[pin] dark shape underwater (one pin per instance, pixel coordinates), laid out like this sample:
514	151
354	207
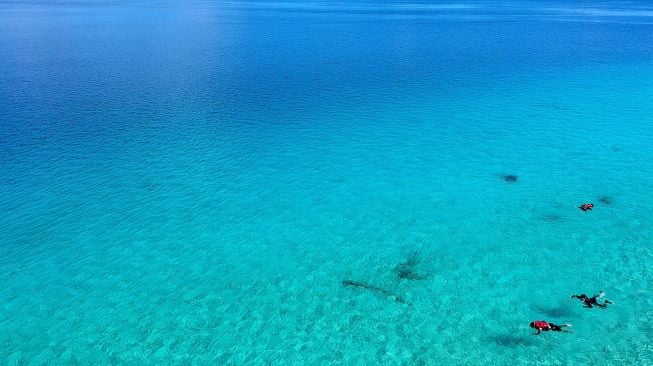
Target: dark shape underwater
606	200
510	178
405	270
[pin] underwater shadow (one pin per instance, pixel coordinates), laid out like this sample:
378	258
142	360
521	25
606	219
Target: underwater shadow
507	340
555	312
552	218
510	178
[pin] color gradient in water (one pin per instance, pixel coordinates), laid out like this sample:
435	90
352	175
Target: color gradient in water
192	182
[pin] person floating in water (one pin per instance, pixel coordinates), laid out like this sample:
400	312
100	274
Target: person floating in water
586	206
544	326
589	301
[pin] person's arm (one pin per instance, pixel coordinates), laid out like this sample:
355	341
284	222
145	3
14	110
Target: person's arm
539	330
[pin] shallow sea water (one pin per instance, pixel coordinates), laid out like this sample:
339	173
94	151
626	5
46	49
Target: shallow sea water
190	183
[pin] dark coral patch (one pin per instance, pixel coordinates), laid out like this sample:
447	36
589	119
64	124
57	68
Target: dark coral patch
510	178
405	270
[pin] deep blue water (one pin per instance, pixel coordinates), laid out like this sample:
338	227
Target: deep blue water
191	182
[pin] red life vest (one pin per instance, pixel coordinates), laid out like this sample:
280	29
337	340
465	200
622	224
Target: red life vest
541	324
586	206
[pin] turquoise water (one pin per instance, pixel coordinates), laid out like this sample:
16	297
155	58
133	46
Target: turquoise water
190	183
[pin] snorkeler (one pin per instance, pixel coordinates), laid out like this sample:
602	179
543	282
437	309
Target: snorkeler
589	301
544	326
586	206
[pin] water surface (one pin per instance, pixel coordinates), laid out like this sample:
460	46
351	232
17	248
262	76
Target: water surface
191	182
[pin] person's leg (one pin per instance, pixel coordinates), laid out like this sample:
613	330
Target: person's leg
558	328
604	305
